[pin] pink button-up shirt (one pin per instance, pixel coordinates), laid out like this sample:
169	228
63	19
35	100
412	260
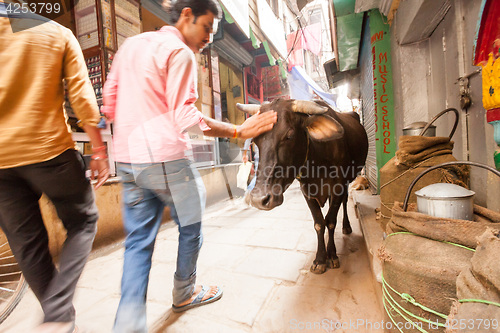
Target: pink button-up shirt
150	94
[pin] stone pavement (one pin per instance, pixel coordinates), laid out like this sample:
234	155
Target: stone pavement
261	260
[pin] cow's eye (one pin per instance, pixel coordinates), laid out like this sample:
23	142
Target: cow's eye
290	134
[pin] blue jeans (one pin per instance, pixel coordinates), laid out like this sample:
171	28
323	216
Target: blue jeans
147	190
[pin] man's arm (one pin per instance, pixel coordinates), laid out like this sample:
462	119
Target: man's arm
99	161
181	90
82	99
252	127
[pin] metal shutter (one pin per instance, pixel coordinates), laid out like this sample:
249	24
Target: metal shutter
368	108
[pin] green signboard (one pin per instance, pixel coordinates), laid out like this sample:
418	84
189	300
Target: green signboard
383	97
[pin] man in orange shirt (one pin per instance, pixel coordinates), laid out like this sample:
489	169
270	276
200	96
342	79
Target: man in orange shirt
38	155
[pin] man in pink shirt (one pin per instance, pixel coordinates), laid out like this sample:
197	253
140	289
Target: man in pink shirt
150	95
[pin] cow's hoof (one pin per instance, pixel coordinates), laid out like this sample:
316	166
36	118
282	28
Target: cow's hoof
333	263
318	268
347	231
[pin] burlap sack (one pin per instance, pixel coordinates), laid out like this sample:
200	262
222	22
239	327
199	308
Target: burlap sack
479	281
415	149
448	230
416	154
426	271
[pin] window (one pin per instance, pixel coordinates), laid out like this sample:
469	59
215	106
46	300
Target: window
315	16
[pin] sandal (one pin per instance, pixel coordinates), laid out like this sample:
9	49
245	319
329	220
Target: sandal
198	301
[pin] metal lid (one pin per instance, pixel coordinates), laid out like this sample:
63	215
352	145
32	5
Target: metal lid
444	190
417	125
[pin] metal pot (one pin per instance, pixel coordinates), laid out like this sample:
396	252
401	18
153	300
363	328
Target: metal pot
415	129
446	200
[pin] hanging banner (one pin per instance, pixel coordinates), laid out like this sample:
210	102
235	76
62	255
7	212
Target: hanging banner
383	97
486	55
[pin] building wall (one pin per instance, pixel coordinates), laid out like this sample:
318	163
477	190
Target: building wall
230	78
149	21
290	20
426	77
247	72
410	83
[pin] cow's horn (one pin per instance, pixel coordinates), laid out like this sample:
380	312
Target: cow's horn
248	108
308	107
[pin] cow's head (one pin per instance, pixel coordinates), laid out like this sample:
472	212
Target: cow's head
284	149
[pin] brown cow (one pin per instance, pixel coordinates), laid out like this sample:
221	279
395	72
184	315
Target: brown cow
324	150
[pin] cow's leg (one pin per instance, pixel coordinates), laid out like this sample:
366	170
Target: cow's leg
332	260
346	225
319	264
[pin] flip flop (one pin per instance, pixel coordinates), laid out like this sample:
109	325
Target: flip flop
198	301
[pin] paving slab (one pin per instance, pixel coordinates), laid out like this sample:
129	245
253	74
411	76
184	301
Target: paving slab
161	282
270	222
103	274
184	323
291	305
86	299
243	298
99	318
273	263
20	320
230	236
225	256
166	249
275	239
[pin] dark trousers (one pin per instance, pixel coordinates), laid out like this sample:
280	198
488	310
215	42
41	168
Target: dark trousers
63	180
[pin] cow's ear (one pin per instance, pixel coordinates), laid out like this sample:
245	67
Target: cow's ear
324	128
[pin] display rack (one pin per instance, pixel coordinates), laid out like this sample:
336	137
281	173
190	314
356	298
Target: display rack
128	19
86	19
95	29
95	75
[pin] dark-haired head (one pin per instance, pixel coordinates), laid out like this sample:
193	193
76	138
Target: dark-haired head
198	8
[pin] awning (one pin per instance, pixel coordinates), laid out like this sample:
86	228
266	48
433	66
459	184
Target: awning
231	50
303	87
348	33
238	12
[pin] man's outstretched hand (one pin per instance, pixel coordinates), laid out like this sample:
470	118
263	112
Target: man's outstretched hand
257	124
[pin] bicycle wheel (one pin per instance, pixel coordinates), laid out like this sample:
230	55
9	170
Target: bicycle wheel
12	283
